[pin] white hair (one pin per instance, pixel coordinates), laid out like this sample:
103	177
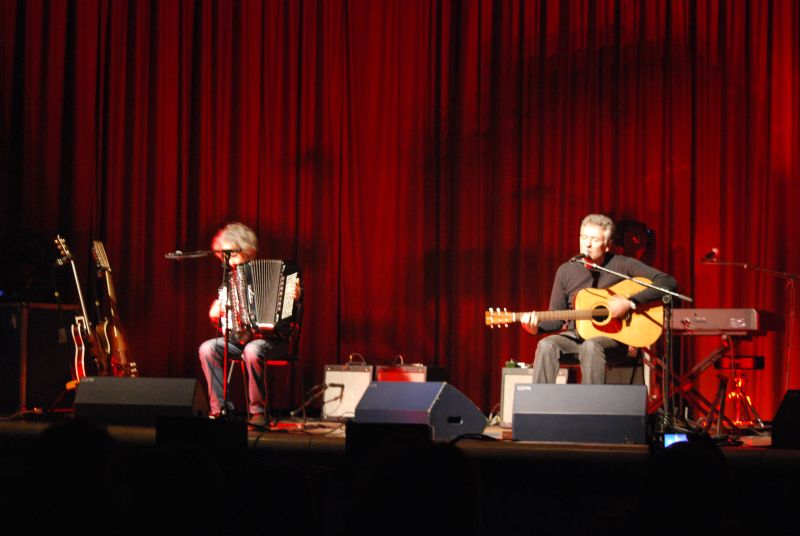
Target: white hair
239	235
602	221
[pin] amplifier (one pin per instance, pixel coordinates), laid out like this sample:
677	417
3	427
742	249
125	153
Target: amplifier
511	377
401	373
344	387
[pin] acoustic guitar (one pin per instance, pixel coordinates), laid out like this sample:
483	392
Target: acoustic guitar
640	329
110	330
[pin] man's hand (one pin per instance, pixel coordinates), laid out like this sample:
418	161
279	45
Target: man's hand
619	306
215	312
530	322
298	290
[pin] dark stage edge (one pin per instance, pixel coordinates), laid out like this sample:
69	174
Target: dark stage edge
304	482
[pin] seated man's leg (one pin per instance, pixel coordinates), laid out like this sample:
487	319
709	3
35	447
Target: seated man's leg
254	355
211	357
549	352
595	353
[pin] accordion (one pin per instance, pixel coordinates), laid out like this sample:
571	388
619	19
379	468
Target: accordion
261	298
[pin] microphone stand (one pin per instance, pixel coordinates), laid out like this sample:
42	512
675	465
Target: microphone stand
178	255
791	282
226	257
668	295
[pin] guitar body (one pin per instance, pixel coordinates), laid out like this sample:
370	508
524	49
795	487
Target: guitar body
639	329
110	330
114	345
78	366
89	360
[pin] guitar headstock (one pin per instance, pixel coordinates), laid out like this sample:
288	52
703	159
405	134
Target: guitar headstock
499	317
63	250
100	257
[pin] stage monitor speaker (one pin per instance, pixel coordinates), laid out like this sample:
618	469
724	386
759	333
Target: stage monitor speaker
786	423
576	413
447	411
138	401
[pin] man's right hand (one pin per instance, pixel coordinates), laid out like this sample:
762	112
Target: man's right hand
530	322
215	312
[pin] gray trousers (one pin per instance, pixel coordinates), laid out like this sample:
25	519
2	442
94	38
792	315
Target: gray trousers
593	355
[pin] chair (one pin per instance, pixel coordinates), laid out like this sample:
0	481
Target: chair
636	371
291	359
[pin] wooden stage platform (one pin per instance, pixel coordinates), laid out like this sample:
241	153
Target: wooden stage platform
304	479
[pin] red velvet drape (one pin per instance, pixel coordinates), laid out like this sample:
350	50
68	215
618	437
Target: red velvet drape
422	160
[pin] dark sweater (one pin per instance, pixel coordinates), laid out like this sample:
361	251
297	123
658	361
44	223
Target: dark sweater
572	277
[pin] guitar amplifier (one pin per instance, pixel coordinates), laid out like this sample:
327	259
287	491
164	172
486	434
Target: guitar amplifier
511	377
401	373
344	387
35	354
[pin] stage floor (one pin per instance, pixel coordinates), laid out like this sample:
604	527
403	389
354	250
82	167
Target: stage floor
306	478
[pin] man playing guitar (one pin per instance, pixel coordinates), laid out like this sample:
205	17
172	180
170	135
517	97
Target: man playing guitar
596	351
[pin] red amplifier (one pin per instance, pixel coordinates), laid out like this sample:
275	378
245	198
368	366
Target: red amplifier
401	373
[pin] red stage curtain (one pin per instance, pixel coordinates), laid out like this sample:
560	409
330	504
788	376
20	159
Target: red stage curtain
422	160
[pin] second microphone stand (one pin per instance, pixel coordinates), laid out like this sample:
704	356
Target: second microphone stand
668	295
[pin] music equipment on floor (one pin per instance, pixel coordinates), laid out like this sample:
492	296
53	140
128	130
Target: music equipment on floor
786	423
414	372
110	331
577	413
344	387
743	321
512	376
83	333
138	401
640	329
259	300
35	355
439	405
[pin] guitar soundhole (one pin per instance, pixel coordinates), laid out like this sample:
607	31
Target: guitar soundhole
599	314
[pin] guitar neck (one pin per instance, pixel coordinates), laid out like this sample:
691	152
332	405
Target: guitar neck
566	314
80	296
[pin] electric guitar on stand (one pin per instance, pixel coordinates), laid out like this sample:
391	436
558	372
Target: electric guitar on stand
83	334
640	329
110	331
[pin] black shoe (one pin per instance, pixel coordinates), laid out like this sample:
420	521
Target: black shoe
259	420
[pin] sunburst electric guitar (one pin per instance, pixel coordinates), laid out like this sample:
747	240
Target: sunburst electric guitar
109	331
639	329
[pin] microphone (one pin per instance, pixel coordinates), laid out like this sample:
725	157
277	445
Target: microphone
578	258
711	256
178	255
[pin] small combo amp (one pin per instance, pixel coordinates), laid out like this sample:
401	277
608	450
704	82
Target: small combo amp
344	387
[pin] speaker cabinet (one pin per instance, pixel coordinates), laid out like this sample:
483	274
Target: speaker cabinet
36	353
577	413
138	401
447	411
786	424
